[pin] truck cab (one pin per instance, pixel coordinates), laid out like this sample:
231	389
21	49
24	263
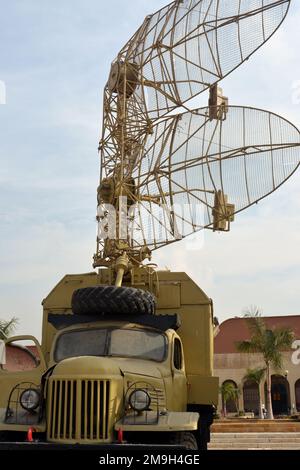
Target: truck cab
97	379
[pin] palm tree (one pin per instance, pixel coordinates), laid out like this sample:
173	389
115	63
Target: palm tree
228	392
268	342
7	327
252	311
256	376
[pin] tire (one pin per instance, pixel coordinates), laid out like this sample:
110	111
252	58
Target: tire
111	300
206	413
185	439
204	437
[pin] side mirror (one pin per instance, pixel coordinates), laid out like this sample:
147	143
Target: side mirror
20	354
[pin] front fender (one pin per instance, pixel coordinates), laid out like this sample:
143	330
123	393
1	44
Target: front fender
164	422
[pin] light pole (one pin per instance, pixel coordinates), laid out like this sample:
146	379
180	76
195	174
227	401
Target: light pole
286	373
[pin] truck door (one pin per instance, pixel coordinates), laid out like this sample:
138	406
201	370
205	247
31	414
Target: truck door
179	377
21	367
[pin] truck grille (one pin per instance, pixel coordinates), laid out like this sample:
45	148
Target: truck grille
78	410
158	400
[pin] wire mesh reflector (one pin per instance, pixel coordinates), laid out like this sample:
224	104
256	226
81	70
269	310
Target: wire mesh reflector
189	45
189	158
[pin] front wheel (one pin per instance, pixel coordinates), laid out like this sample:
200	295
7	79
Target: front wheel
185	439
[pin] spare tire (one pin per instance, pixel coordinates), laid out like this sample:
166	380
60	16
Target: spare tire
111	300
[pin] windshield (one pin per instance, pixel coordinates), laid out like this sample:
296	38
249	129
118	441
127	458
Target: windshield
111	342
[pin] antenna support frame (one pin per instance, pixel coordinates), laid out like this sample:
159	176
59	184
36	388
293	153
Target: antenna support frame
122	265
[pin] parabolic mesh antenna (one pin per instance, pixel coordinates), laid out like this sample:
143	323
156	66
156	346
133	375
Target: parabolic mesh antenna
167	169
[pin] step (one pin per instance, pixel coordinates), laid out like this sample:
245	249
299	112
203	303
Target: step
255	441
255	427
251	446
271	425
277	440
277	448
275	437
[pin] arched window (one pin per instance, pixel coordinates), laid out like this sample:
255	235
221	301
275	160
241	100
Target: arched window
230	403
281	401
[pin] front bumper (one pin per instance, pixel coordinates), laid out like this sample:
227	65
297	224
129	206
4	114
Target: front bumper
100	449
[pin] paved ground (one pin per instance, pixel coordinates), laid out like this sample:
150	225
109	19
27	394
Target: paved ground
255	441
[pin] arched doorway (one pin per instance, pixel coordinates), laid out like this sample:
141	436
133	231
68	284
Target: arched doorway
297	394
280	391
231	403
251	397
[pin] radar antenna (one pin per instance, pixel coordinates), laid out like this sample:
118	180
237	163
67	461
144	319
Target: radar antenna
168	168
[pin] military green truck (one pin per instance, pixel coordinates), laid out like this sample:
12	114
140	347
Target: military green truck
127	350
113	368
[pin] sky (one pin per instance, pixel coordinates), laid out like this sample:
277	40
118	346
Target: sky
54	62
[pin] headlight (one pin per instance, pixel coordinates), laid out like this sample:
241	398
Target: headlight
139	400
30	399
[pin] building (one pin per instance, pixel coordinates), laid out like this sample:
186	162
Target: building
230	365
18	359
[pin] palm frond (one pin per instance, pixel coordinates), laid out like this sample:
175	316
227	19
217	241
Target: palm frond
252	311
229	391
284	338
247	346
255	375
277	360
269	342
256	326
7	327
